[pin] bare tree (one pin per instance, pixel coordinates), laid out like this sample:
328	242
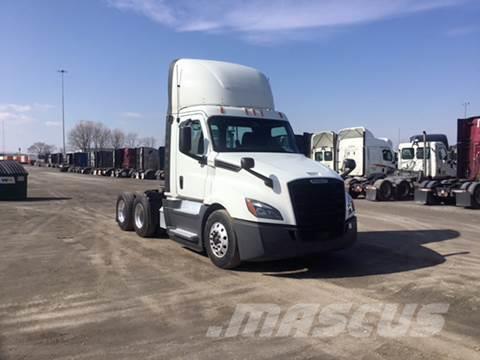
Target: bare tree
80	136
148	141
131	140
40	148
117	139
100	136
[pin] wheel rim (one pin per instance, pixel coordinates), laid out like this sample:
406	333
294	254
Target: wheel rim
218	238
139	216
121	211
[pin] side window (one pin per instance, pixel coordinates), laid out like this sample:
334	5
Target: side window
387	155
442	154
196	145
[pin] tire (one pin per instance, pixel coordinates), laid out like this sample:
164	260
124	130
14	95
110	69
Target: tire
124	211
402	190
219	235
384	189
423	184
149	174
349	182
145	216
474	190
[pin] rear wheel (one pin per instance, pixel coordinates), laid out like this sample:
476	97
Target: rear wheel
123	211
145	216
474	190
402	190
220	240
384	189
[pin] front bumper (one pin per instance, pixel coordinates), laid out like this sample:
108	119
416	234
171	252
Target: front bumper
260	241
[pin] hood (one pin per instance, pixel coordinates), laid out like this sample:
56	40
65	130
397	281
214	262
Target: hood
285	166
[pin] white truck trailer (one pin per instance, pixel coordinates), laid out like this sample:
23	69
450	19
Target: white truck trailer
235	184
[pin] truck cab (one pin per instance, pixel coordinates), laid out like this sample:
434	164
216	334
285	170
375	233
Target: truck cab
434	162
372	155
235	183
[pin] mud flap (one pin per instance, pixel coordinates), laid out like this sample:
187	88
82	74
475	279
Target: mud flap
371	193
463	198
425	197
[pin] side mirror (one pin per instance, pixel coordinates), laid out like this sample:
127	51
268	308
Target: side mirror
247	163
185	139
348	166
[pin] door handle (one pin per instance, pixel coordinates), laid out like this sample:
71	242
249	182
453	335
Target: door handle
181	182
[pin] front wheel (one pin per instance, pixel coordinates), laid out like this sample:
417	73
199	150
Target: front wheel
220	240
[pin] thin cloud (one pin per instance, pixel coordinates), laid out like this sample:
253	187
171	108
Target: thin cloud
462	31
21	113
131	115
264	20
15	113
53	123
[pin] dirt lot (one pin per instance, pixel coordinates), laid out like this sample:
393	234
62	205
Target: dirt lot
72	285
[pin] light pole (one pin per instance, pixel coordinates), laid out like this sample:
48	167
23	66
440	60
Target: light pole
466	104
62	73
3	136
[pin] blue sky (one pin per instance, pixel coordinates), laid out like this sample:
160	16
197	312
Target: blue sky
386	65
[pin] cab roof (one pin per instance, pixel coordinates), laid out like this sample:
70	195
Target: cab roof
205	82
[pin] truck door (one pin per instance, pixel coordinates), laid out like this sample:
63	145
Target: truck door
191	160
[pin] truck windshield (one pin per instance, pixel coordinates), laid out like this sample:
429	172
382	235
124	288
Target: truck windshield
408	154
239	134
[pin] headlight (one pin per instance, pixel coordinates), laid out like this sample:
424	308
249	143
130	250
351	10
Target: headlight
262	210
350	207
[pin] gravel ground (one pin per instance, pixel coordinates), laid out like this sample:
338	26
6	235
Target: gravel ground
73	286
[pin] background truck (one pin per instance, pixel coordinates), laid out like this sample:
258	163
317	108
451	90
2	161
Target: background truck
374	158
415	166
236	185
324	149
463	189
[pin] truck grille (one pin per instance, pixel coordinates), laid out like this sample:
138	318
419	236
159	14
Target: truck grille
319	207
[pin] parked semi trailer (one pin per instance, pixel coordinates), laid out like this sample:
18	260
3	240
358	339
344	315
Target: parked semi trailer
147	163
235	183
126	160
102	162
464	189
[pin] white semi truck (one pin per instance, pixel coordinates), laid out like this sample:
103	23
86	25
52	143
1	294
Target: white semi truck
416	166
374	157
235	184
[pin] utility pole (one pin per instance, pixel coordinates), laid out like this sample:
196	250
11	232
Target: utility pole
466	104
62	73
3	136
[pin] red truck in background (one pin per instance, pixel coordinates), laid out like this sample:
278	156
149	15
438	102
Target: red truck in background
464	189
468	162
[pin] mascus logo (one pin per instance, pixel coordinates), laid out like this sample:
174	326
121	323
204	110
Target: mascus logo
319	181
